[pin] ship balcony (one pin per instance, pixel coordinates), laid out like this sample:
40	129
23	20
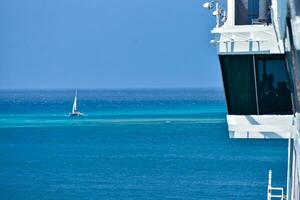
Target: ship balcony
251	27
258	96
248	39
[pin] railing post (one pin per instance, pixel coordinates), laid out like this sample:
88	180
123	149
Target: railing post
270	185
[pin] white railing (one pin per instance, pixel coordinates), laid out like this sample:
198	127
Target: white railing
280	196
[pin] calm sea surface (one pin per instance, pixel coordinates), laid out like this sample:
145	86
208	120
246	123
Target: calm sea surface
133	144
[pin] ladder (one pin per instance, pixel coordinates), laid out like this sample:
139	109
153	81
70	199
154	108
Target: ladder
280	194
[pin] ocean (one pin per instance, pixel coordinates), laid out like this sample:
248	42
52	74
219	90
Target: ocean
134	144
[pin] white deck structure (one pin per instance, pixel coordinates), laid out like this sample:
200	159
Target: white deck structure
279	36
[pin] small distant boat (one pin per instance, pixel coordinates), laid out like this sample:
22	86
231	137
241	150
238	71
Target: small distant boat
74	112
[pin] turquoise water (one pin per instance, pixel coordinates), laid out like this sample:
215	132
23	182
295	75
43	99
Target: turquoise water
133	144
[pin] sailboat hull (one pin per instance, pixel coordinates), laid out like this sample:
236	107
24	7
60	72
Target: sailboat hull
75	114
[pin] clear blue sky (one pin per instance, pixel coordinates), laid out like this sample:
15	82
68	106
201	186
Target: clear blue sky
106	44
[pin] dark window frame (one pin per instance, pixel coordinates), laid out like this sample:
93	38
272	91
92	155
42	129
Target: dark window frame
235	102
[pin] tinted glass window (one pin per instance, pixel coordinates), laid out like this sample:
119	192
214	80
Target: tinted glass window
257	88
238	77
241	12
297	7
253	10
273	91
247	12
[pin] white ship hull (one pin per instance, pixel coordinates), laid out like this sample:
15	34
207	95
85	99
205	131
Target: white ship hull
258	43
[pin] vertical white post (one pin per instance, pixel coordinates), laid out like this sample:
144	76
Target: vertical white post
230	13
270	185
289	168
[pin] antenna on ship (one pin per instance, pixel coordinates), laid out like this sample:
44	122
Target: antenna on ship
219	13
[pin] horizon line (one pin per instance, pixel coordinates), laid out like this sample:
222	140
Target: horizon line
114	88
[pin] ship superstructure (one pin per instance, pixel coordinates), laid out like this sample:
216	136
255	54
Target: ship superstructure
258	44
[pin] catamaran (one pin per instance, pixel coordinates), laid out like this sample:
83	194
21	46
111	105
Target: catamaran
74	112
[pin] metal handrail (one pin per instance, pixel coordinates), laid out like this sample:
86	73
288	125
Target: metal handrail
270	189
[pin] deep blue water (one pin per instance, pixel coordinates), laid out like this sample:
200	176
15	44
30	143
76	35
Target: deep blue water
134	144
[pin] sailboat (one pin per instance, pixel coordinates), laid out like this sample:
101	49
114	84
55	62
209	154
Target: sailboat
74	112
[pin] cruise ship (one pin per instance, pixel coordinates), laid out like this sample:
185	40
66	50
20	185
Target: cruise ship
258	45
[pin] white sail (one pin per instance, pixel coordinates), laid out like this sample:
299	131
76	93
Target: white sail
74	109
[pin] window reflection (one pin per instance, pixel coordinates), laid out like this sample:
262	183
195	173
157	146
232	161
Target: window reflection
249	12
256	88
273	91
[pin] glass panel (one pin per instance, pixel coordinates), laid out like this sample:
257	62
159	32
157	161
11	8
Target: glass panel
253	10
241	12
274	94
248	12
297	7
239	85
